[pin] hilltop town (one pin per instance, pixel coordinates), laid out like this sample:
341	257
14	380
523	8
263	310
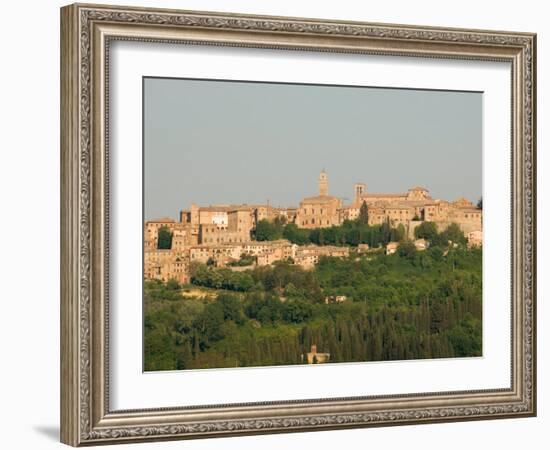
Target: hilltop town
229	235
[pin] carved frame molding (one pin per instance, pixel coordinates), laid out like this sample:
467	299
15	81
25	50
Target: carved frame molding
86	31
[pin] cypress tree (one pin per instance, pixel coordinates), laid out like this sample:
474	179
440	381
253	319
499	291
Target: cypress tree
363	218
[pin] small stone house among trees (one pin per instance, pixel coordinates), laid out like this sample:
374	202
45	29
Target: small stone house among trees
313	357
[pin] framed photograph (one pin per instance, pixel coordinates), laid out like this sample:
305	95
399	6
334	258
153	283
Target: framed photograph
275	224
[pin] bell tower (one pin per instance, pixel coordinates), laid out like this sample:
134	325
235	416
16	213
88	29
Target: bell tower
359	190
323	183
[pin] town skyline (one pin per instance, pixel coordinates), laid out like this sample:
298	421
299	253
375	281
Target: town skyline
219	142
346	200
222	234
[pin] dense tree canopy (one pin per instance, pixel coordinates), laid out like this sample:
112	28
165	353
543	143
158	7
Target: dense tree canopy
426	230
412	304
296	235
268	230
351	233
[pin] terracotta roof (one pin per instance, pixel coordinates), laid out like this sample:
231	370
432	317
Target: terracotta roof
399	206
241	208
226	245
216	208
162	220
268	243
319	199
462	200
418	188
381	194
463	203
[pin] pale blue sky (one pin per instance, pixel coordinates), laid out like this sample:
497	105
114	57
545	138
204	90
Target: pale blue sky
216	142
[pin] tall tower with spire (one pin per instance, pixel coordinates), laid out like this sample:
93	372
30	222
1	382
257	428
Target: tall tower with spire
323	183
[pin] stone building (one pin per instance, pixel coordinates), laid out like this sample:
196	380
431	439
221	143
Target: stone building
314	357
320	211
241	220
335	299
221	254
308	256
285	248
212	234
266	252
413	207
223	224
164	265
421	244
288	215
271	256
182	233
152	227
475	238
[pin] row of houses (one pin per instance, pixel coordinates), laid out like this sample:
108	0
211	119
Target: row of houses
166	264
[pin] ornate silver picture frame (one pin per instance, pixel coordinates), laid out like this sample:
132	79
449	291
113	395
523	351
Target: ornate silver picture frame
87	33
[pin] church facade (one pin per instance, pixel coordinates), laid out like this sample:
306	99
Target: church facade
320	211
